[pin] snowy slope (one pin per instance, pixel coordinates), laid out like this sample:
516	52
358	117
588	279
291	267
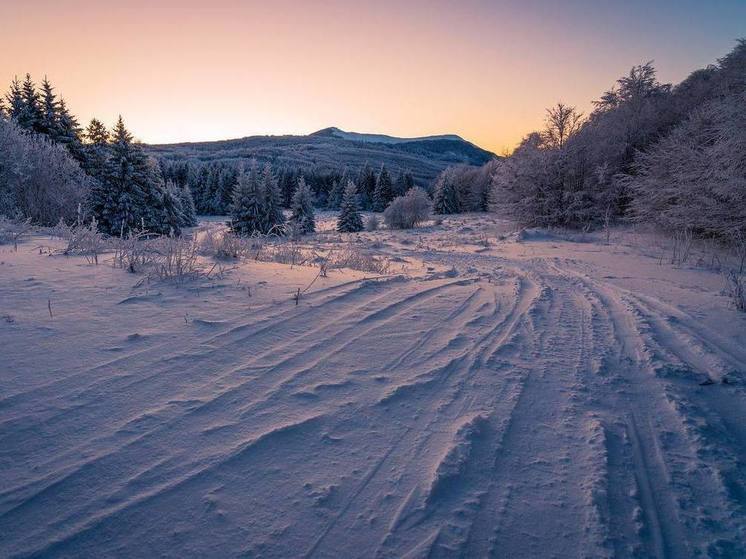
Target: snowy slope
493	397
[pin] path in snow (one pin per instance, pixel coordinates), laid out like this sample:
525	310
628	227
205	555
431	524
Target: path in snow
522	407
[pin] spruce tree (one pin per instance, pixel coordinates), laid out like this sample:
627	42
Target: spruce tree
404	183
15	99
446	195
125	200
68	132
247	212
49	110
187	206
303	219
349	220
30	116
383	193
366	187
274	219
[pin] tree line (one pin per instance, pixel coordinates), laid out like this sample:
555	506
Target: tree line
651	152
72	173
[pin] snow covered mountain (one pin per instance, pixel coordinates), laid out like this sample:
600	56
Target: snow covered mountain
332	148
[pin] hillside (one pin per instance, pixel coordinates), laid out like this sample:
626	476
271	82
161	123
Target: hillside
331	148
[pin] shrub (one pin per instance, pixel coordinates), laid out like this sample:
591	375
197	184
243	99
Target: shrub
407	211
372	223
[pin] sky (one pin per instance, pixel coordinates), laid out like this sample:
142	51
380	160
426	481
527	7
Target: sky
214	69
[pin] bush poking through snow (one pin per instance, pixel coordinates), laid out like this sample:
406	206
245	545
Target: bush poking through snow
164	258
82	239
13	231
408	211
372	223
736	289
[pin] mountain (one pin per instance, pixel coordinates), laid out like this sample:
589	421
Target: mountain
332	148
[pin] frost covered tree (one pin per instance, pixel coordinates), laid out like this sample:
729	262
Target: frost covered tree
349	220
129	195
274	219
408	211
366	185
404	182
303	220
247	208
446	199
30	115
695	178
384	191
38	179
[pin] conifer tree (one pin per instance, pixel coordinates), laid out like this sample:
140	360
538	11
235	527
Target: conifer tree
15	99
366	187
187	206
49	110
336	194
403	184
30	116
383	193
126	199
303	219
446	195
68	132
274	219
349	220
247	212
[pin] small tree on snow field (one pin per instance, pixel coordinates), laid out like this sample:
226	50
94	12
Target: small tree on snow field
446	196
247	211
274	219
302	218
349	220
384	191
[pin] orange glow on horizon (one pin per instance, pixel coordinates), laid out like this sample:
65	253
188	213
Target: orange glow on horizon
191	71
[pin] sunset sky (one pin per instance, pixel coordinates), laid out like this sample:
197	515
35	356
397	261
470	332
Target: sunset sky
202	70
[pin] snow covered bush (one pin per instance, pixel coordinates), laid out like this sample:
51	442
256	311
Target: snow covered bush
82	238
695	178
38	178
13	231
372	223
408	211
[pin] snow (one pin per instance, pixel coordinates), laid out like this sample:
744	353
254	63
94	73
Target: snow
500	393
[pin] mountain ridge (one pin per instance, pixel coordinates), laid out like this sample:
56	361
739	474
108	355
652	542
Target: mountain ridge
333	148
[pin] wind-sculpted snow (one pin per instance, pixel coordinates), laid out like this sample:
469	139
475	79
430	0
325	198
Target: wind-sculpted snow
538	398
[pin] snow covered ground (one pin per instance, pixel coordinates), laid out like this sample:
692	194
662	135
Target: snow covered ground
534	395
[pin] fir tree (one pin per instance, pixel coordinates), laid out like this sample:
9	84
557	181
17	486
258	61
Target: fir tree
274	219
349	220
303	219
404	183
68	132
49	110
336	194
30	116
125	201
366	186
15	100
384	192
96	133
446	195
247	212
187	206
